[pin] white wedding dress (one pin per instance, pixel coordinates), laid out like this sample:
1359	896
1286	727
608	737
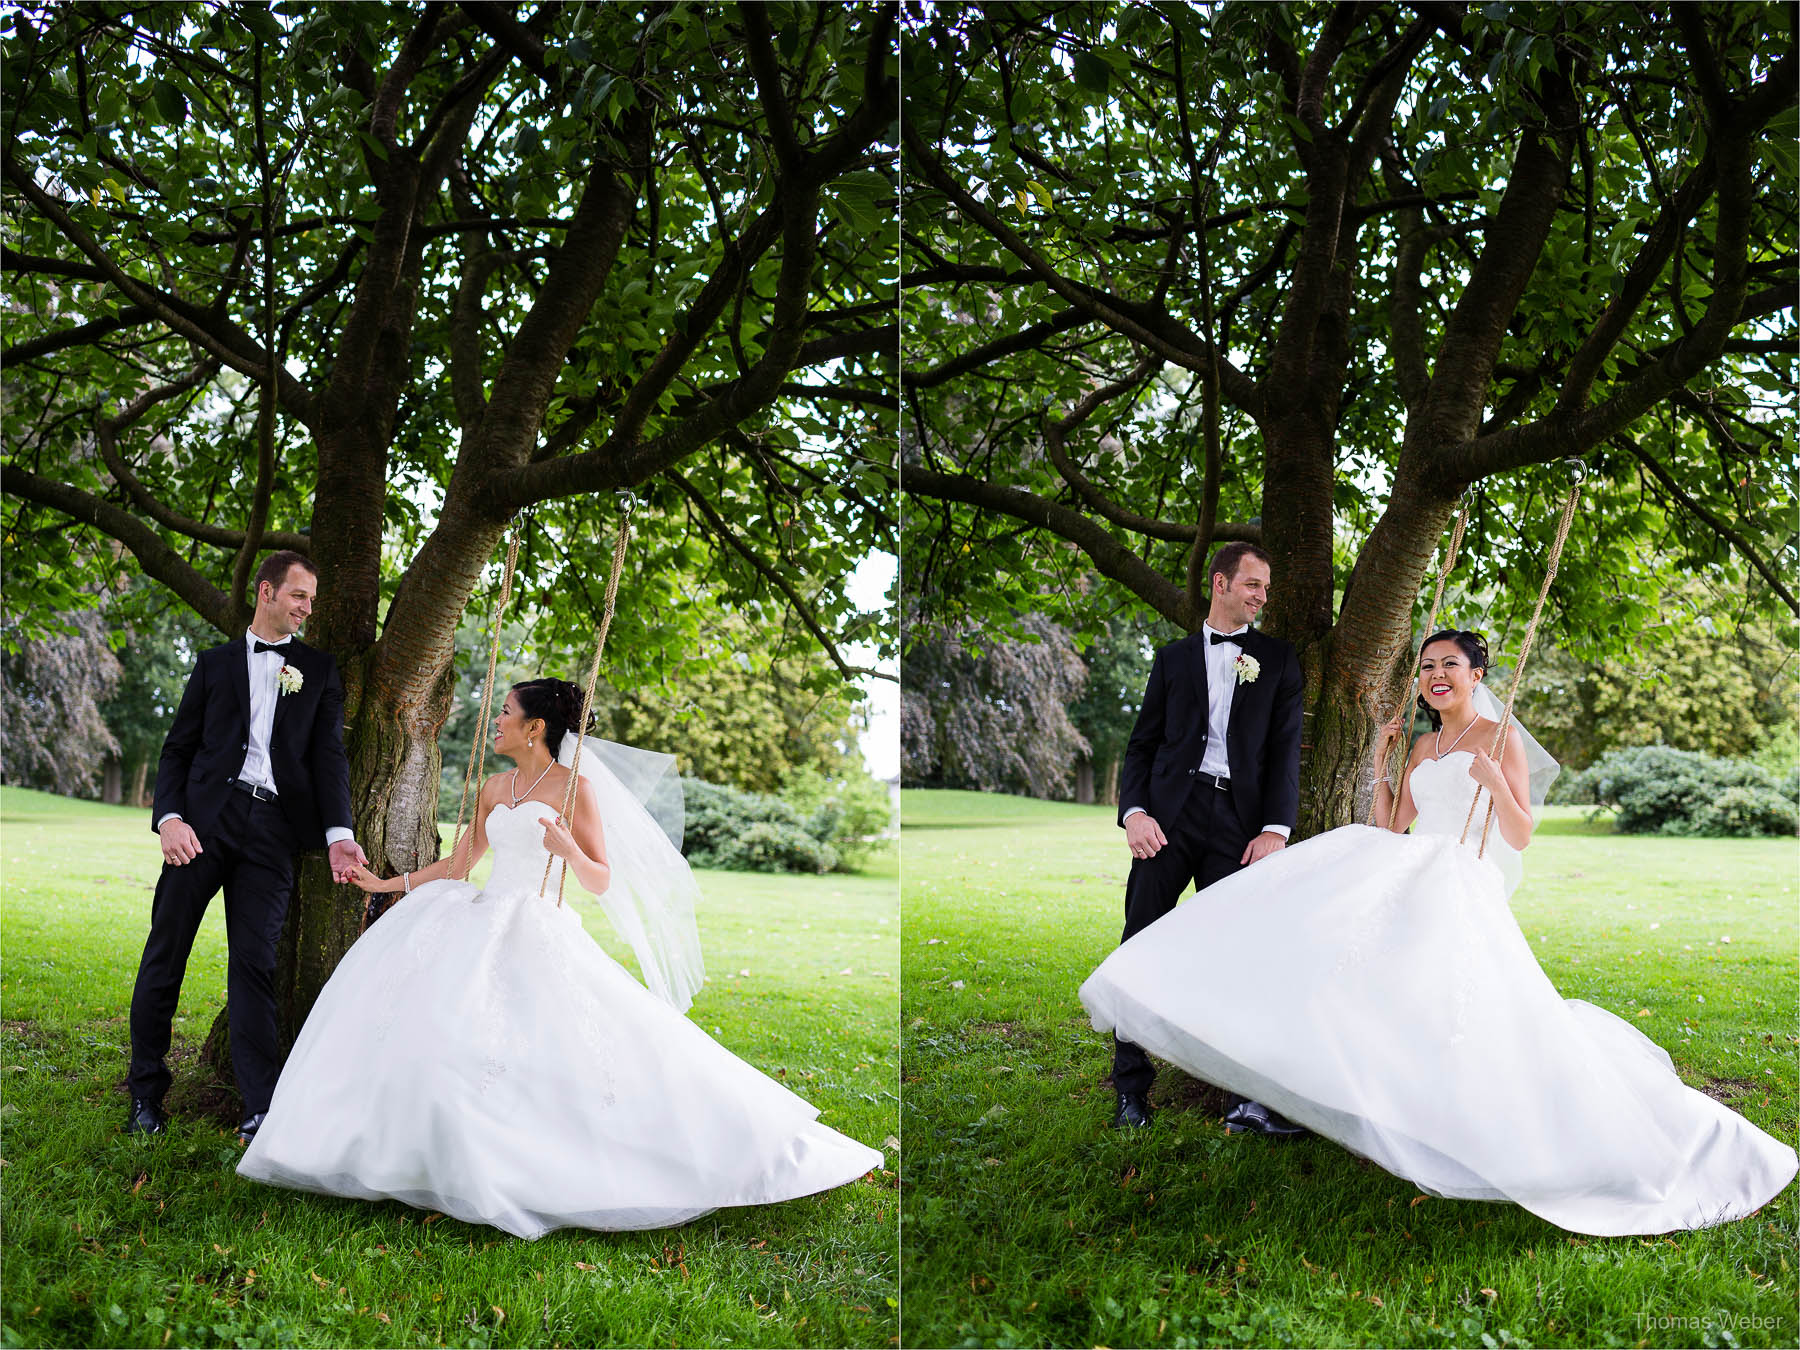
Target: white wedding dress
476	1052
1375	988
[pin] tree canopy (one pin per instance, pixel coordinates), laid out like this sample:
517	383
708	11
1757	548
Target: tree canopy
1306	273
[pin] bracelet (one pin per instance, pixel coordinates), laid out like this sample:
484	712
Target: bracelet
406	879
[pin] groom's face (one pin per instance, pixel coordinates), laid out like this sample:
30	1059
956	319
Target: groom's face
286	607
1242	596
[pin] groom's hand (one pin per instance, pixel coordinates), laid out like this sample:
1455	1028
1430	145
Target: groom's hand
1262	846
346	856
179	842
1144	835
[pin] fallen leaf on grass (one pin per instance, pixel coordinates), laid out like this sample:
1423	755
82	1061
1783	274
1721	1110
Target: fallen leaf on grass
586	1265
1417	1200
1490	1294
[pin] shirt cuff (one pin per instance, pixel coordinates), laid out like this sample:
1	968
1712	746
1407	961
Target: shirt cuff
166	817
1283	830
1133	811
337	834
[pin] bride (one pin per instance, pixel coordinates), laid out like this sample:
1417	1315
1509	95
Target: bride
476	1052
1374	986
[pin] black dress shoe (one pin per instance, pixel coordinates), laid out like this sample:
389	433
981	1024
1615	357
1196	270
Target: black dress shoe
147	1117
247	1131
1133	1112
1257	1117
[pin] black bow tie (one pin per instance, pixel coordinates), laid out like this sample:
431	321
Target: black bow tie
262	647
1213	639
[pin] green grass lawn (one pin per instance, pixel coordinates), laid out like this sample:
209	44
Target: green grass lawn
1029	1221
111	1240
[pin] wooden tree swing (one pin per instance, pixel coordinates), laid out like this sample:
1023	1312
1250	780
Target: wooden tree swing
462	848
1578	471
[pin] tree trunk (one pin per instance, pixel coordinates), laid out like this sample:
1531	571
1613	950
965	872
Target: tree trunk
1111	794
140	774
1084	782
113	791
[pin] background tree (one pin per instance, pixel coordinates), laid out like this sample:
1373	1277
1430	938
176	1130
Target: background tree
383	277
1307	273
991	713
1118	666
51	687
1700	680
157	639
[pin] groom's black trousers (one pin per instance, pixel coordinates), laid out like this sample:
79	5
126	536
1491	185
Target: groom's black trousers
249	852
1206	843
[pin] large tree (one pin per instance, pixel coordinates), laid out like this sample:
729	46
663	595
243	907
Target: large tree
371	280
1180	274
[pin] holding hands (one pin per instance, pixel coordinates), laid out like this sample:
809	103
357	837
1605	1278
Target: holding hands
346	858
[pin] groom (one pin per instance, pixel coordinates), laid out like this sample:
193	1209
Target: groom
1210	782
252	772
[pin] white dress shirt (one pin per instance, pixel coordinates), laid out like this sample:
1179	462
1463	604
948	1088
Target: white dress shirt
1221	685
265	691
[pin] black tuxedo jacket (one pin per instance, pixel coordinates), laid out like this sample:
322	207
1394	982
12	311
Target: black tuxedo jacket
204	750
1262	740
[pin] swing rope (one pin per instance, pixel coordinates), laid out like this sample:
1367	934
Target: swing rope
1499	747
1398	768
464	846
587	699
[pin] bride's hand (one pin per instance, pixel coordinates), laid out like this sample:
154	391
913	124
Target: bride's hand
1390	734
1486	771
559	841
362	877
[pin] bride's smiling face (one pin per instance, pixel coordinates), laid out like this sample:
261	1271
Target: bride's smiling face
1446	679
512	729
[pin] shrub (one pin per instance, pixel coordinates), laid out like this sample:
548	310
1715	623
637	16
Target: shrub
766	846
1657	790
749	832
849	812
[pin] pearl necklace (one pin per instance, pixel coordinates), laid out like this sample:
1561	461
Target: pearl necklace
514	789
1441	752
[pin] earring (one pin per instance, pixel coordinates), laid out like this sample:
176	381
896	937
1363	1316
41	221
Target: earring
529	743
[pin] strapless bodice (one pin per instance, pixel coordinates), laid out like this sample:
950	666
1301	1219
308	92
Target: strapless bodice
516	835
1442	790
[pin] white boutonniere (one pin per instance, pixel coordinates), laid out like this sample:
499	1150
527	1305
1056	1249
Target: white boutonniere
1247	667
290	680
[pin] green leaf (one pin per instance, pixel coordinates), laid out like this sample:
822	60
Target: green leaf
171	103
1092	74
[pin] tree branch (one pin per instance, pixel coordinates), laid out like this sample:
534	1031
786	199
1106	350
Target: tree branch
974	359
1109	556
211	331
158	560
79	336
1112	310
781	583
1717	524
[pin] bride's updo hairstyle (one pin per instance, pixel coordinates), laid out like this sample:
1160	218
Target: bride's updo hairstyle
1475	652
556	701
